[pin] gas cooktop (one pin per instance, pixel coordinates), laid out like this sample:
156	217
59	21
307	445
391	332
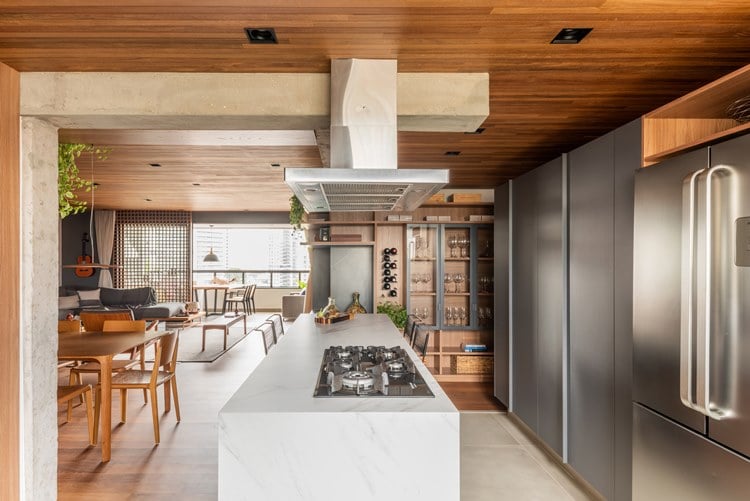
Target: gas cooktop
372	371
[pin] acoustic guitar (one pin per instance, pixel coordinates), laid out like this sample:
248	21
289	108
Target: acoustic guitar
84	258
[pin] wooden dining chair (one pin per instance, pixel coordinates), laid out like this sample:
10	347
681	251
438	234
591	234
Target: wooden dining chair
162	373
66	394
234	298
93	321
118	365
68	326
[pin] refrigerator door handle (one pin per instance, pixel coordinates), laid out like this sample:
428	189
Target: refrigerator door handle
687	383
703	365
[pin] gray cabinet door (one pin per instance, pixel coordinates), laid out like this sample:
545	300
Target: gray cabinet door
549	293
502	299
524	398
591	397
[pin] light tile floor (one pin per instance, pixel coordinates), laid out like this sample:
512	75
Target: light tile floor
498	461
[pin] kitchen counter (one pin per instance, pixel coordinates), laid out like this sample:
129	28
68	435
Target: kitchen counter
276	441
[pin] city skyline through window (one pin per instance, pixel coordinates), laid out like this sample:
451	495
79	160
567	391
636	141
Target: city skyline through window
248	247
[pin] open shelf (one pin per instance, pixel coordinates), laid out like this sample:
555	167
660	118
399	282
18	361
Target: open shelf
695	120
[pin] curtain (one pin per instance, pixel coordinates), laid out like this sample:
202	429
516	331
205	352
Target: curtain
104	221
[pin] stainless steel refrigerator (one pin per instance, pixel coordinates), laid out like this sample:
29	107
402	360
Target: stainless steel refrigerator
691	326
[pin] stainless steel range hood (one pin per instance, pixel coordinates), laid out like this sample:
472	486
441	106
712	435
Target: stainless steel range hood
363	175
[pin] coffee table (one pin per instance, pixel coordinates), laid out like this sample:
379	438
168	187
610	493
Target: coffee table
223	323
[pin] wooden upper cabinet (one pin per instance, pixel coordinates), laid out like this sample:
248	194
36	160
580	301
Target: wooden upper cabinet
696	119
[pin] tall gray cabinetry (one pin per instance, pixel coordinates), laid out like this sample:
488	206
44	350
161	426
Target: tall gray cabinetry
537	268
600	287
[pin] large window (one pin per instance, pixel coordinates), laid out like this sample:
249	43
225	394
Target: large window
263	255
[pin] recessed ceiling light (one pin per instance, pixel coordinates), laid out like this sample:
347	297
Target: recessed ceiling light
155	165
196	184
147	199
275	165
571	35
478	131
261	35
452	153
96	185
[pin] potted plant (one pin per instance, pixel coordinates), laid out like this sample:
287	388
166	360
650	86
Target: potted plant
69	179
395	311
296	212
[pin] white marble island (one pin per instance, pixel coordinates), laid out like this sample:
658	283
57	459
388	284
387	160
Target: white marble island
278	442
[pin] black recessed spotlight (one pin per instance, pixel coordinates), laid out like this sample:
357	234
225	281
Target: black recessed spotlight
155	165
452	153
275	165
96	185
261	35
146	199
196	184
571	35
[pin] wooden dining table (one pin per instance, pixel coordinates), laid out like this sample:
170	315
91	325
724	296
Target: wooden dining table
102	347
216	288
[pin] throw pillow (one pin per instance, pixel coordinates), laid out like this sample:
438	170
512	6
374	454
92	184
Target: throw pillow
87	299
67	302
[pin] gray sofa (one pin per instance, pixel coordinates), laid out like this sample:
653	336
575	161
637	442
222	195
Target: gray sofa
141	301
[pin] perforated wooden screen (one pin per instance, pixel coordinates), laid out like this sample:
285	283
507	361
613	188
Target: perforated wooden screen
153	249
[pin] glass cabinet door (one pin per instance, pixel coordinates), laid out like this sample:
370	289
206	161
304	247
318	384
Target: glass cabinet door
456	280
485	278
422	273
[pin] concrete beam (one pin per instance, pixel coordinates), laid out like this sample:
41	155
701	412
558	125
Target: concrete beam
449	102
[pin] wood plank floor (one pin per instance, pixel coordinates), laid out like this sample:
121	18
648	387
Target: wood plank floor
473	396
184	465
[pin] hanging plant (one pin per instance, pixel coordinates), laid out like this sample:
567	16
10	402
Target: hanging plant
296	212
69	180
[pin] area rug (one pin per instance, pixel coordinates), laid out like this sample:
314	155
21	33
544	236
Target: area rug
190	340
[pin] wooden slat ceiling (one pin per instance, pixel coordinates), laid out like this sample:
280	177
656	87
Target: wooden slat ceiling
544	99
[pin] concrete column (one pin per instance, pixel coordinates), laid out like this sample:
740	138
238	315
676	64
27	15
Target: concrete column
39	283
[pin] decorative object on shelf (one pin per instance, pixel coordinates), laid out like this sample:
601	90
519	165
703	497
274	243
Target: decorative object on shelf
324	234
340	317
395	311
356	306
68	176
740	110
330	310
296	212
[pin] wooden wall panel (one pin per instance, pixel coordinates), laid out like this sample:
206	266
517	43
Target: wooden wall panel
9	283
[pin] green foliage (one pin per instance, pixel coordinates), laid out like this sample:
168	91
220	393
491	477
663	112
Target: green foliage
69	179
296	211
301	284
395	311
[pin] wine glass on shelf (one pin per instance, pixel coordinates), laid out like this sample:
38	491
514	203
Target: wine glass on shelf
462	315
463	244
452	243
425	314
419	244
427	278
454	314
448	281
458	279
481	316
414	280
448	315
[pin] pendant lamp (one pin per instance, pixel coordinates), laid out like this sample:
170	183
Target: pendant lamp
211	257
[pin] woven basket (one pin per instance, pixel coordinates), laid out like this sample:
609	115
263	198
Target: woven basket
471	364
